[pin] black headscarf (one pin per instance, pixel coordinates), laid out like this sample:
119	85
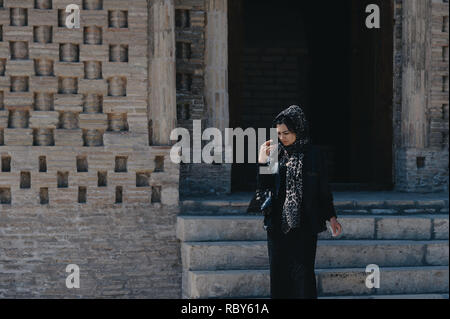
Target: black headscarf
292	157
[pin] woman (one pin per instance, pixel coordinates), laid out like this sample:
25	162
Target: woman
302	203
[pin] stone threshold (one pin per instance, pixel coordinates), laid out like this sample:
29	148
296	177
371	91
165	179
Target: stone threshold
350	200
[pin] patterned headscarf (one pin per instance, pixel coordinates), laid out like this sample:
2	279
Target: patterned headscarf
292	157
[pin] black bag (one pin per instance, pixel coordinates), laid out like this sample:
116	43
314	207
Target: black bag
261	202
266	206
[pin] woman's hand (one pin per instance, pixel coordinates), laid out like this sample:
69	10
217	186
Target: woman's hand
335	227
264	151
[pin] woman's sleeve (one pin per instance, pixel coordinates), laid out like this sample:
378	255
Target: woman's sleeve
264	181
326	197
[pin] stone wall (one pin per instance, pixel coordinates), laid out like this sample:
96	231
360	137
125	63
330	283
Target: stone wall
80	182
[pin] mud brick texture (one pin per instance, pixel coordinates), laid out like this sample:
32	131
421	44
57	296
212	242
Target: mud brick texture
78	183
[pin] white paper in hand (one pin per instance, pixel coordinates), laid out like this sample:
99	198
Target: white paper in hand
273	160
331	230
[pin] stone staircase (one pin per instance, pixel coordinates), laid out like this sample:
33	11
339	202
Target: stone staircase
224	250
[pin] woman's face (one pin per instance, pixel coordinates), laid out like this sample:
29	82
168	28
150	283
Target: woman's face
284	135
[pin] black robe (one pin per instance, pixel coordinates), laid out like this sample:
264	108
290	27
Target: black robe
292	255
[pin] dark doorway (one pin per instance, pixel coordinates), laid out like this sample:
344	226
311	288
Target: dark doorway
322	56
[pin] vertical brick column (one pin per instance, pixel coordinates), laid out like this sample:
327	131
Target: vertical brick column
422	158
414	88
162	106
216	86
415	69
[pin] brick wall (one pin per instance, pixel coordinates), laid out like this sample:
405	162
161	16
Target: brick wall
190	50
79	182
438	112
274	78
198	178
127	251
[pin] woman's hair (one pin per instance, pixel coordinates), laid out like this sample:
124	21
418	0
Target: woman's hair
285	120
294	118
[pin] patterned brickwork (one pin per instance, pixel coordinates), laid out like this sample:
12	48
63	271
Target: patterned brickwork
68	92
79	182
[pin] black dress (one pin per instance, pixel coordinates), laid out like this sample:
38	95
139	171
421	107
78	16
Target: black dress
292	255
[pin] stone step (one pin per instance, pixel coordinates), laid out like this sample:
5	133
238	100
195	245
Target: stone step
344	202
330	254
248	227
330	282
